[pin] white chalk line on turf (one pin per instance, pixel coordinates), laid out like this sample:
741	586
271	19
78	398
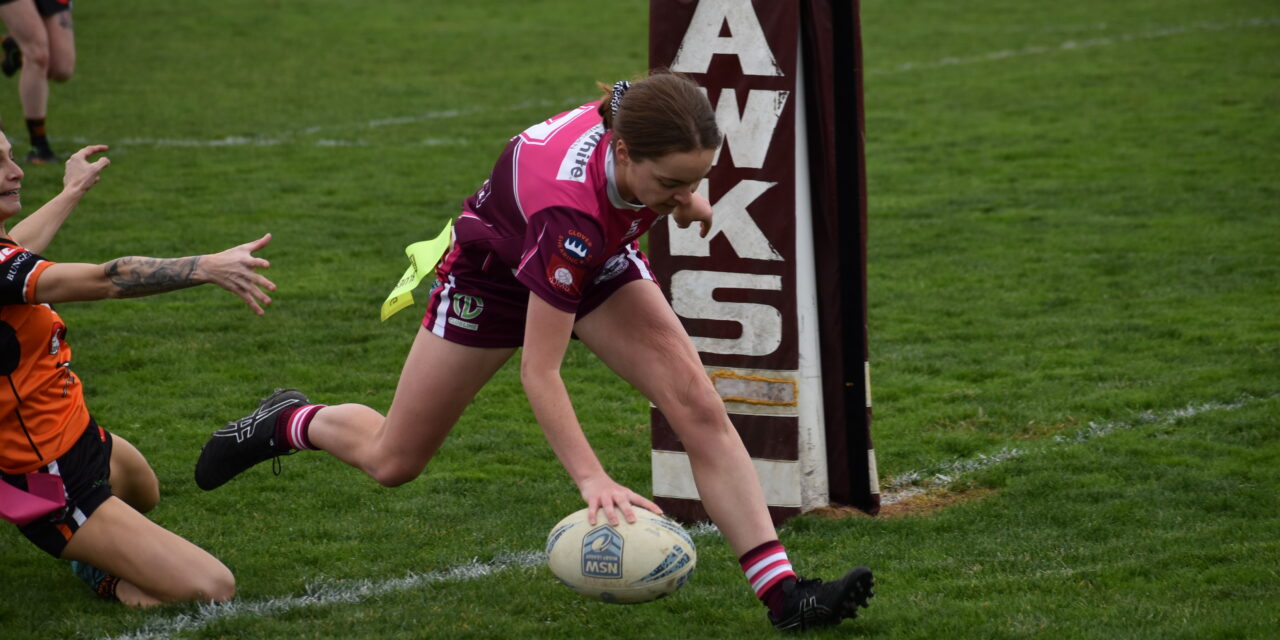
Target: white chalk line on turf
941	476
329	592
1079	44
898	488
306	134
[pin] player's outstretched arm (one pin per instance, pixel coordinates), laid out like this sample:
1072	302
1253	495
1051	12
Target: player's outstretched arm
234	270
546	339
36	231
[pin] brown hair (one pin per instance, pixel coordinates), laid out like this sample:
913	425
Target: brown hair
661	114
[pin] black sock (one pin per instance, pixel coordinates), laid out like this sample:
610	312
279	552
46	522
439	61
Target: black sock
39	140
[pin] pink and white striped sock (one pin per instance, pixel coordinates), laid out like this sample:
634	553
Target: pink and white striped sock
292	426
767	568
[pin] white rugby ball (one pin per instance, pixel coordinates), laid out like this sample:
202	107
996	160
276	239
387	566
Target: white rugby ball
625	564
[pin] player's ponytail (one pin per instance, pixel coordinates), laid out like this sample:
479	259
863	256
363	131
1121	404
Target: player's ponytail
663	113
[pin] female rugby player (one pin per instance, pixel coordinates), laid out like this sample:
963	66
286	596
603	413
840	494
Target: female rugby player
545	249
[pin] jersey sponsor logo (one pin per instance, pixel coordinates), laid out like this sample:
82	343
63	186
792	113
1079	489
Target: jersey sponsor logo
22	258
575	246
612	269
8	252
468	307
574	165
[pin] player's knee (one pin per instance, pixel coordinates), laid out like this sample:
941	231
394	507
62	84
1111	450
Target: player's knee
61	72
36	58
146	499
218	586
394	472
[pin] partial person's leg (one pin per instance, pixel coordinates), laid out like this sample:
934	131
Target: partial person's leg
62	46
638	336
132	479
438	382
154	565
28	29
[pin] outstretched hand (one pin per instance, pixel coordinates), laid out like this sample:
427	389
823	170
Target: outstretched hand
235	271
81	174
604	493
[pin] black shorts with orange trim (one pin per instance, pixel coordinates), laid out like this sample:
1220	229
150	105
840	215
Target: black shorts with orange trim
85	471
47	8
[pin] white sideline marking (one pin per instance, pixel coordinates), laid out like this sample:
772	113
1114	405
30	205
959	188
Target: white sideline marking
900	487
913	483
329	592
1073	45
446	114
324	593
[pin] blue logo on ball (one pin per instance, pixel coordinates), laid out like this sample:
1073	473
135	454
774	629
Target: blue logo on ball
602	553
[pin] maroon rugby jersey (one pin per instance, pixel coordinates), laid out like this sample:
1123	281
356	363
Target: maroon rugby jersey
550	211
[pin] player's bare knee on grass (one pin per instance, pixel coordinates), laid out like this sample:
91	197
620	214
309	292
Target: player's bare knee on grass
395	471
217	585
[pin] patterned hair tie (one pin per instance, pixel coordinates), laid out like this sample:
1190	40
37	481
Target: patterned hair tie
619	89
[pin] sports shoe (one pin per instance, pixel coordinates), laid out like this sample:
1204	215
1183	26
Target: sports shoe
808	604
102	584
245	442
12	56
42	155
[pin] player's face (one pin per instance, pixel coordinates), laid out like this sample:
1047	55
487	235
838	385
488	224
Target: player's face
665	182
10	181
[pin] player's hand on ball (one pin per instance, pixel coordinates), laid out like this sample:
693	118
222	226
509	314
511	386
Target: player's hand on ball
601	492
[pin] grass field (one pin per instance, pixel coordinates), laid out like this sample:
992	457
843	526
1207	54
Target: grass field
1074	316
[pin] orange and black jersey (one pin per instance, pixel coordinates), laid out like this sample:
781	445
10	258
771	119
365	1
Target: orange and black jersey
42	409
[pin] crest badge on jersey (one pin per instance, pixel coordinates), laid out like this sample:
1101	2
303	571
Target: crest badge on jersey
564	276
612	268
574	246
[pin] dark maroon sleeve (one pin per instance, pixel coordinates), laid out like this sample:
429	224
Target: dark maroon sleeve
562	246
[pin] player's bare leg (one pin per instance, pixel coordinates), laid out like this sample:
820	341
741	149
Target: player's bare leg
658	359
132	479
438	382
153	565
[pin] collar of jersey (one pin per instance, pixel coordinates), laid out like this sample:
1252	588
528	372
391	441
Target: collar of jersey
614	197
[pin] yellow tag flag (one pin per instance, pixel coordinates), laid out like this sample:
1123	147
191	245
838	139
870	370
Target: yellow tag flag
423	257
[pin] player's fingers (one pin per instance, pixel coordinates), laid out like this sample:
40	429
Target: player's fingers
610	512
706	228
628	512
646	503
257	244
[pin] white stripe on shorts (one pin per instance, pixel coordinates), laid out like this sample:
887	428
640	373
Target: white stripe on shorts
442	310
634	256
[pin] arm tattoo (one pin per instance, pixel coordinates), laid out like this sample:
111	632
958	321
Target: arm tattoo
134	276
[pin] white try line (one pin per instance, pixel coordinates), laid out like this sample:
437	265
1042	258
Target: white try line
1076	45
307	134
325	593
900	487
942	476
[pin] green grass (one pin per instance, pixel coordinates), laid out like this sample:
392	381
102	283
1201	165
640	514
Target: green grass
1061	236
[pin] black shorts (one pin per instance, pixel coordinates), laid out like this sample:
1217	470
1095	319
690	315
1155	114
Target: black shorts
47	8
85	471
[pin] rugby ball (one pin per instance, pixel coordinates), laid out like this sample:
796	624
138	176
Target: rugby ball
625	564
